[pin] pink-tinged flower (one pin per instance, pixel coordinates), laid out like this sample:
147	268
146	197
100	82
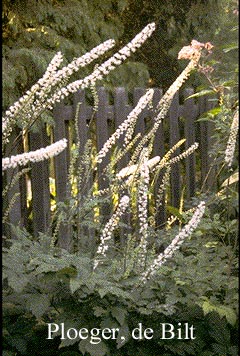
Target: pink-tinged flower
205	69
197	45
208	46
187	52
194	50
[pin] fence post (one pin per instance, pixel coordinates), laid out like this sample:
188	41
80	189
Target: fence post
208	170
159	150
102	136
190	114
140	124
86	236
174	138
18	213
61	114
40	185
121	111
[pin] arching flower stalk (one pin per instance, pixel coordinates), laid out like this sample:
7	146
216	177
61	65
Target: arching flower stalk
130	170
165	102
108	230
106	67
131	118
229	152
184	154
143	208
176	243
34	101
34	156
163	186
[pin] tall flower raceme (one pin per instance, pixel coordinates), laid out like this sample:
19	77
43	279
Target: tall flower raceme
108	230
23	105
229	152
193	53
184	154
163	185
176	243
34	101
130	120
62	75
143	207
34	156
131	170
106	67
164	161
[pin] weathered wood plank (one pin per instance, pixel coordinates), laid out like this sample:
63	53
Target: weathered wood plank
121	111
190	114
86	236
173	139
18	213
208	169
140	124
61	170
40	185
158	150
101	137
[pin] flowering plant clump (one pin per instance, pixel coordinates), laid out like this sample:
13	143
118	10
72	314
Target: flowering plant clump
131	185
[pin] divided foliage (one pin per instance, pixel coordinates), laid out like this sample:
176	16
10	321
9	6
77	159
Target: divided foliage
47	284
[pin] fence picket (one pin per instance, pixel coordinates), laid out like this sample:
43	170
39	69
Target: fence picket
173	117
62	113
189	114
40	185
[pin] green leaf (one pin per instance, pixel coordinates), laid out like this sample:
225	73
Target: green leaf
100	349
215	111
98	311
109	322
38	304
17	282
175	211
70	271
8	353
75	284
220	349
201	93
222	310
119	314
19	343
123	336
67	342
230	47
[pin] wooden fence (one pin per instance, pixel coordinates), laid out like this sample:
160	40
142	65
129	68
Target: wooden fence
181	122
